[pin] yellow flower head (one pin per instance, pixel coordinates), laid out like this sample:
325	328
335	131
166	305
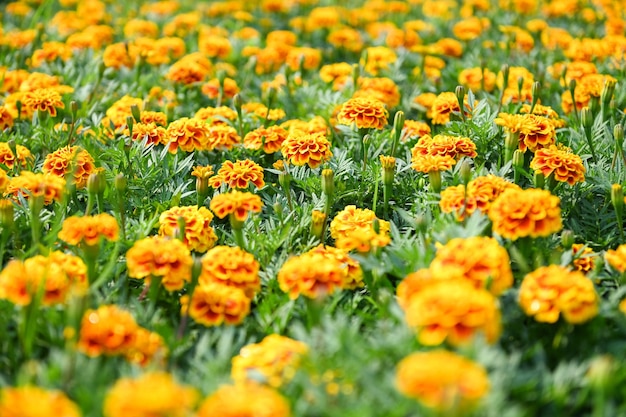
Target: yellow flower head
29	401
585	260
239	174
363	113
227	402
352	270
312	274
432	163
270	139
231	266
29	184
236	203
89	230
45	100
107	331
70	159
444	145
199	236
213	304
565	165
300	148
617	258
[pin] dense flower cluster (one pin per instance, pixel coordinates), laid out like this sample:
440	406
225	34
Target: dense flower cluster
198	235
269	139
28	184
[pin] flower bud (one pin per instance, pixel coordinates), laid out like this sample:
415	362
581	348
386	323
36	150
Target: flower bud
600	370
421	223
518	159
121	183
567	239
278	208
618	134
586	118
7	212
237	102
466	171
96	183
617	198
389	168
539	180
18	106
435	181
284	179
398	124
328	183
130	124
134	110
459	91
505	76
356	69
74	109
318	219
607	92
535	91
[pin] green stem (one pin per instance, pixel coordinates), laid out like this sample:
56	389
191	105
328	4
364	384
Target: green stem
36	204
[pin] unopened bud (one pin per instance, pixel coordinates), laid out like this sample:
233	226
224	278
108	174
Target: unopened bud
398	124
356	69
328	182
459	91
539	180
466	171
121	183
278	208
130	123
96	183
607	92
421	223
567	238
618	134
134	110
7	214
535	91
505	76
389	168
435	181
74	108
518	159
586	118
600	370
318	219
617	198
284	179
237	102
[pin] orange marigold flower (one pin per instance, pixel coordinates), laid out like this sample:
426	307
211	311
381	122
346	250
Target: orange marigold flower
362	240
236	203
108	330
156	256
216	115
477	79
412	284
70	159
202	172
228	88
6	119
222	137
274	359
7	158
311	149
442	380
381	88
550	291
432	163
187	71
149	132
521	213
480	260
188	135
353	274
453	310
213	304
584	258
28	184
148	347
352	219
443	106
363	113
226	402
27	401
379	58
566	166
454	146
45	100
231	266
152	394
312	274
270	139
198	235
89	230
545	111
534	132
617	258
414	129
239	174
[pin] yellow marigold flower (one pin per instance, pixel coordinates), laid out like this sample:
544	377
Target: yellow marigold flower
442	145
534	131
316	125
346	38
70	159
411	285
312	274
617	258
89	230
237	203
213	304
311	149
188	135
187	71
203	172
477	79
379	58
156	256
272	361
480	260
231	266
362	240
6	119
352	219
227	402
414	129
545	111
212	88
30	401
154	394
198	235
381	88
442	380
566	166
216	115
363	113
353	274
270	139
149	132
45	100
239	174
28	184
480	194
585	259
521	213
107	331
222	137
443	106
147	347
440	311
432	163
550	291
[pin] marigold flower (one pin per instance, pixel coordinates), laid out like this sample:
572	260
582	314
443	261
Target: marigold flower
213	304
45	100
352	219
270	139
585	259
362	240
534	131
353	274
443	106
70	159
156	256
412	284
154	394
188	135
237	203
311	149
149	132
363	113
380	88
28	184
521	213
272	361
198	235
222	137
477	79
432	163
442	145
414	129
379	58
617	258
107	331
231	266
442	380
33	401
312	274
146	347
8	159
216	115
566	166
187	71
480	260
550	291
6	118
239	174
227	402
89	230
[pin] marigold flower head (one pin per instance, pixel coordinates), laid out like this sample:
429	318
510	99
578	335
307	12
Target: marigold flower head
480	260
311	149
617	258
148	347
442	145
585	258
44	100
363	113
153	394
352	219
272	361
231	266
222	137
382	89
6	118
187	71
379	58
156	256
414	129
89	230
442	380
521	213
566	166
8	159
198	235
550	291
237	203
432	163
202	172
239	174
477	79
188	135
312	274
70	159
270	139
362	240
150	132
443	106
29	184
534	132
216	115
353	274
213	304
106	331
226	402
30	401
